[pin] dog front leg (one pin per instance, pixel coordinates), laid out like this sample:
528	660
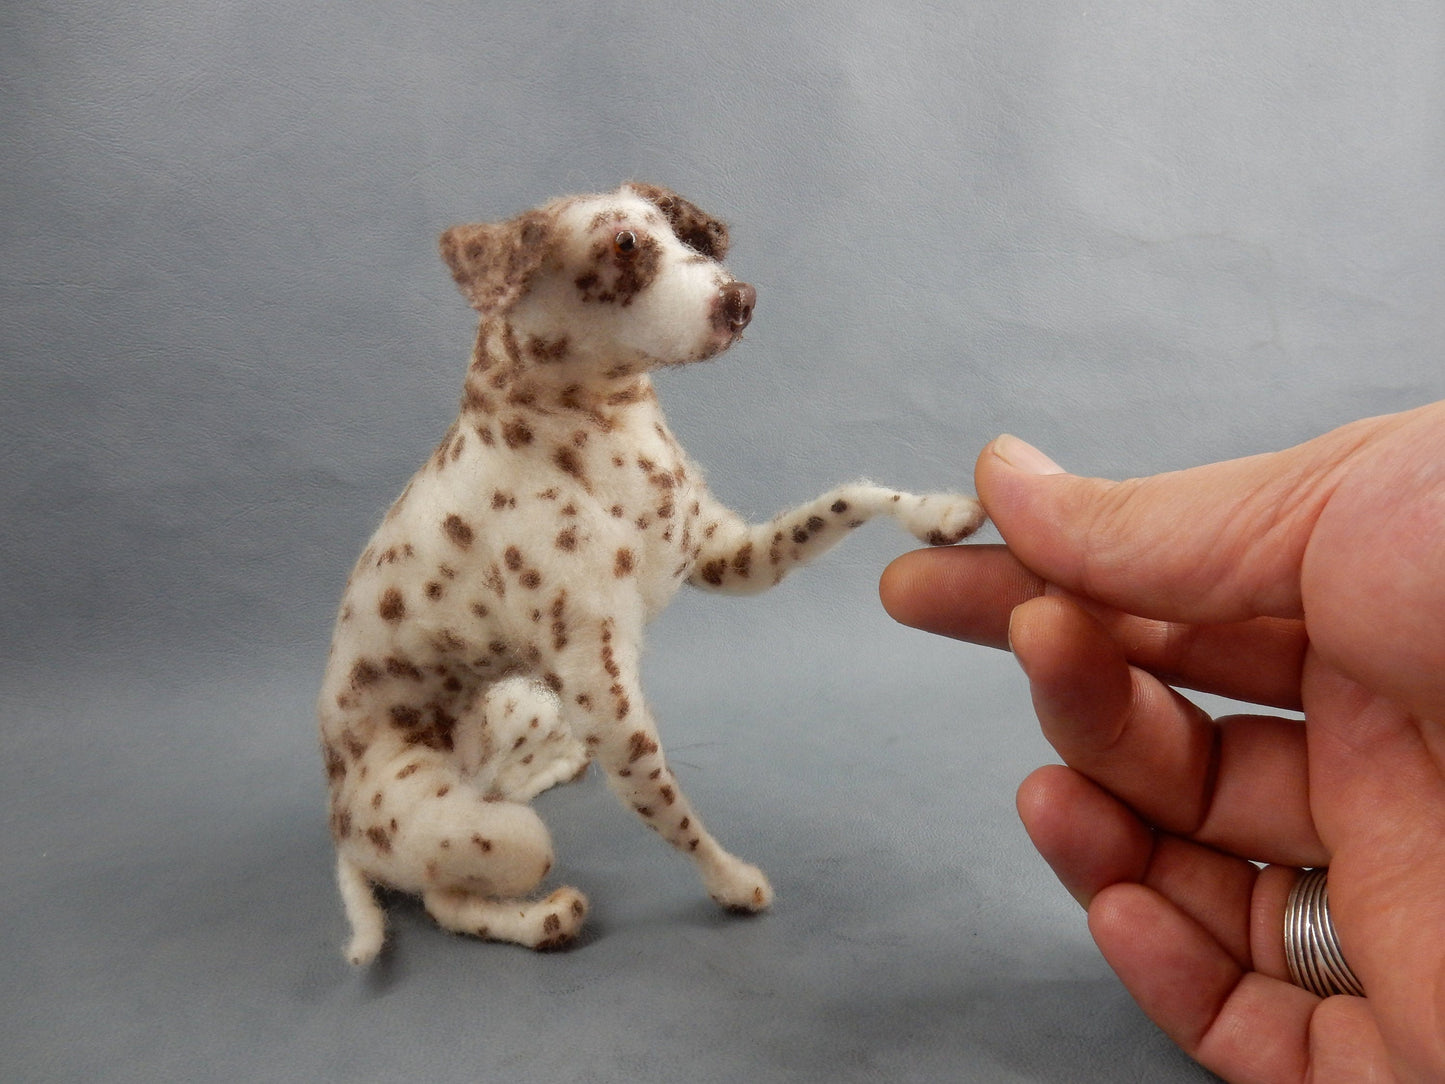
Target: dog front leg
622	737
742	558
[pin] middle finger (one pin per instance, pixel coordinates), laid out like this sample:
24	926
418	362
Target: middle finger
968	593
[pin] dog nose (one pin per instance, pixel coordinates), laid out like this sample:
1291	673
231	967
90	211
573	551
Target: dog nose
736	309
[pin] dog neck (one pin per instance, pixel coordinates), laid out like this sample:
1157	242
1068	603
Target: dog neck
509	372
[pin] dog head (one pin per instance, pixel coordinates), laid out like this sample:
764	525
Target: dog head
630	280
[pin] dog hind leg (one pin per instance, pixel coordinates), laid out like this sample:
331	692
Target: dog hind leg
545	924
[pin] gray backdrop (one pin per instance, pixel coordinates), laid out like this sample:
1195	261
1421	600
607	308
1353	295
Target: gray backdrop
1141	234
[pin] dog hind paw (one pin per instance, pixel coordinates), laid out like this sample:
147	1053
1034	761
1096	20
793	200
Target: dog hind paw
563	914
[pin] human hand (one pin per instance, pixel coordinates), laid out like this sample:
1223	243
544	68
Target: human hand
1310	579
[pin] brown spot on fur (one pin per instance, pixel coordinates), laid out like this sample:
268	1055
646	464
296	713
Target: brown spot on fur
482	356
379	839
559	623
440	456
567	539
547	351
633	393
713	572
405	715
434	591
531	579
639	745
459	531
483	845
399	667
354	746
392	606
513	558
743	560
410	769
493	580
516	433
475	399
364	673
569	463
625	563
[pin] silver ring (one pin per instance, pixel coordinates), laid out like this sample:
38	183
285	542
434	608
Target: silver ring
1311	947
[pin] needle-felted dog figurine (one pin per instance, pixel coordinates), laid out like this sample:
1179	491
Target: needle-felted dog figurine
489	637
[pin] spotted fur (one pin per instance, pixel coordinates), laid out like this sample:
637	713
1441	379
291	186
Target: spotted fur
488	640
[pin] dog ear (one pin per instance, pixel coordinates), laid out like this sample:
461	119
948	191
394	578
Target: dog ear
694	228
493	263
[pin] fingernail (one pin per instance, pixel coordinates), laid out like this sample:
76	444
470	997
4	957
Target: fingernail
1023	456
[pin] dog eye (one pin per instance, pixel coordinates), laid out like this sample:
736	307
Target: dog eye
625	243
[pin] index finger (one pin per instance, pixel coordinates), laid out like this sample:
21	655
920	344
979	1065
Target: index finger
1219	542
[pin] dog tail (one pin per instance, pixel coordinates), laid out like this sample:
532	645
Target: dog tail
368	921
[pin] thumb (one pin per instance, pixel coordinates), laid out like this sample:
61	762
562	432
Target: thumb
1222	542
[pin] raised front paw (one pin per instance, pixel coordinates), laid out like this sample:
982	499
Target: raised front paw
739	886
940	519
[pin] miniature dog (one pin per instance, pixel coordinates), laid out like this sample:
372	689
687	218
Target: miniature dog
488	640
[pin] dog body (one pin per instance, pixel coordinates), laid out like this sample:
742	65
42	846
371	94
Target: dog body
489	638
